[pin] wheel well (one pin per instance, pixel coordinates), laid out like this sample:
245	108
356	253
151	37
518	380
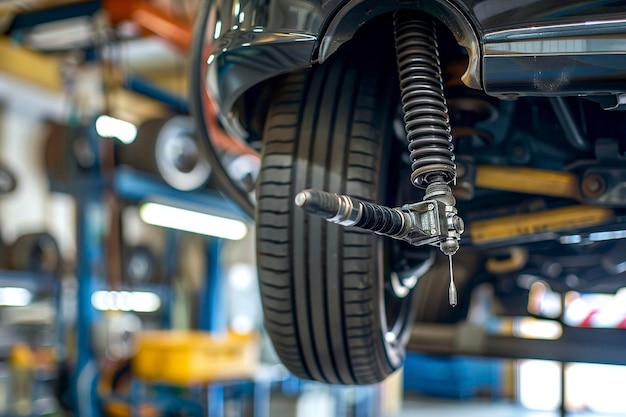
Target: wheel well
356	13
375	38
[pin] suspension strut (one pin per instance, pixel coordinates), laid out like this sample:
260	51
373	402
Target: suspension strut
434	220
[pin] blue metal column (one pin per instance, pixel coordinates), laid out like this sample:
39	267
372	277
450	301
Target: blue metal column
212	307
212	315
262	397
88	189
369	401
90	277
170	266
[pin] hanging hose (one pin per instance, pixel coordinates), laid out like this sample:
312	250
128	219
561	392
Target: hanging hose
423	102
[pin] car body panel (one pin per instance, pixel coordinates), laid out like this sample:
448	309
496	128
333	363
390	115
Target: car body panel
517	47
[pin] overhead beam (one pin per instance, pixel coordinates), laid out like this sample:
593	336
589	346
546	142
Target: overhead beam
50	12
30	66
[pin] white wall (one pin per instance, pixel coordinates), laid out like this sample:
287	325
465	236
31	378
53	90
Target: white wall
31	207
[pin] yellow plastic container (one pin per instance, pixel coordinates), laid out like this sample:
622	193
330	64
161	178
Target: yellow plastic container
194	357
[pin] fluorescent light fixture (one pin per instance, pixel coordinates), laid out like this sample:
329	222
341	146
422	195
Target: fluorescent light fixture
600	386
543	301
242	277
192	221
570	239
137	301
539	385
531	328
610	235
242	323
110	127
15	297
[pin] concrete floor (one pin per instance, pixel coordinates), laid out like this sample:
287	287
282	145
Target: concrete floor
420	407
320	404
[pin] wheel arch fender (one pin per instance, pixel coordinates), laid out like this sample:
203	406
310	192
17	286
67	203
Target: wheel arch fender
355	13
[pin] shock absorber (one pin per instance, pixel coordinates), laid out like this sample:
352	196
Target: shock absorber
434	220
426	115
423	103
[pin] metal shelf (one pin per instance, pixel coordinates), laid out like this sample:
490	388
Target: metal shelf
32	281
138	187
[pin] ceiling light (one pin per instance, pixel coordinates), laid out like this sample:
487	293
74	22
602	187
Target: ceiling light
532	328
110	127
608	235
137	301
15	297
192	221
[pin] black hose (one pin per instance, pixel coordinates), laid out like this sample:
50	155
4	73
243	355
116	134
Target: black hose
569	125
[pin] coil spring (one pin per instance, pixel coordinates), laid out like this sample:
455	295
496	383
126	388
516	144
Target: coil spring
467	107
423	103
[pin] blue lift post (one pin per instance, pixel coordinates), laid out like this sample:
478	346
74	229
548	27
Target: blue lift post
170	267
212	307
140	188
212	317
90	261
88	190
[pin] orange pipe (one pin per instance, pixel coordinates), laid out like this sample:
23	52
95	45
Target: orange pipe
180	34
152	19
221	139
118	10
168	27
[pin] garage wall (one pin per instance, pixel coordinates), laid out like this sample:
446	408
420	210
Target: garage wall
31	207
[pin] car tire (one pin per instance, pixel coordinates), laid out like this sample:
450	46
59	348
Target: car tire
323	286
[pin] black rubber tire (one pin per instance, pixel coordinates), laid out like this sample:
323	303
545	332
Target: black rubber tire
8	181
36	252
139	154
143	153
322	285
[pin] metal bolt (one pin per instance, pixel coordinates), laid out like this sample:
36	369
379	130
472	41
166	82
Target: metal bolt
458	224
594	185
431	207
449	246
433	231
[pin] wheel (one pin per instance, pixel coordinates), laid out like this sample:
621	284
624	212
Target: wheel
168	148
325	289
36	252
140	265
8	182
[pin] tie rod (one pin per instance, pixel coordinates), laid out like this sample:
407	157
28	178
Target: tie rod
433	221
